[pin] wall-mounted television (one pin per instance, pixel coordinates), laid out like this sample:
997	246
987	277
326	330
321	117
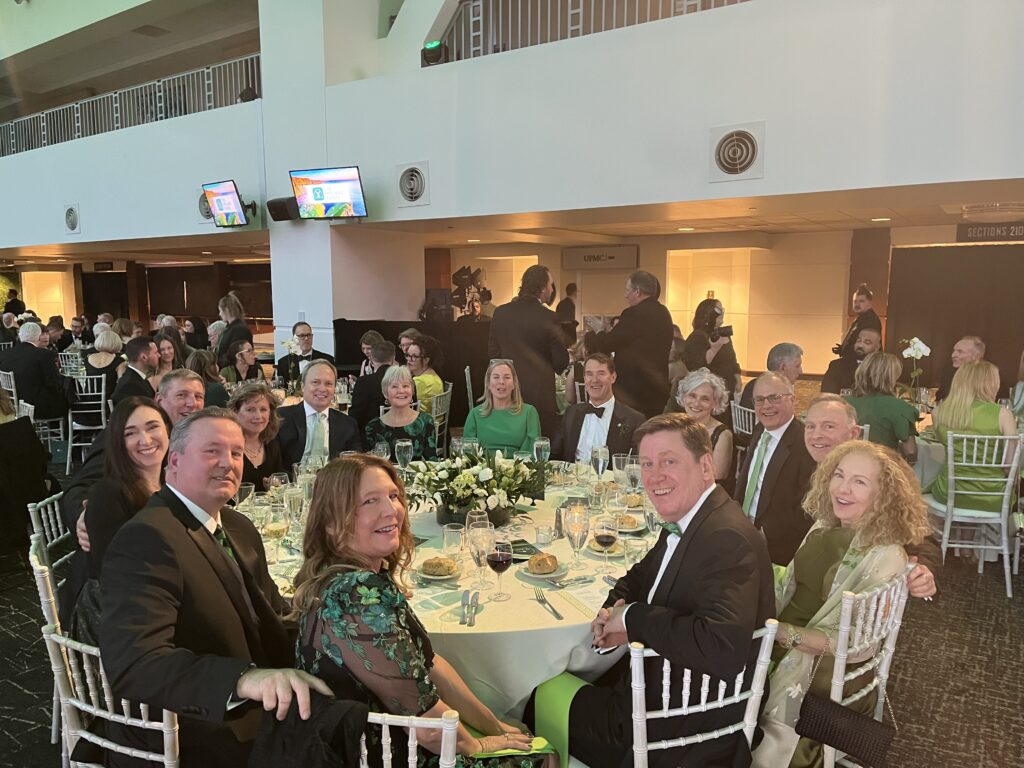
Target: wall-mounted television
225	204
329	193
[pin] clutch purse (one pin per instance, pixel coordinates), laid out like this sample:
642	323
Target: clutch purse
859	736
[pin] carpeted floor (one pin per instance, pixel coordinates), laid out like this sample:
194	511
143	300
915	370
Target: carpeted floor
957	688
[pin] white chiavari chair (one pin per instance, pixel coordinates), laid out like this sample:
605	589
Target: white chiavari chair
38	558
865	431
581	392
729	693
71	363
91	401
469	389
983	467
27	409
439	410
5	345
869	624
47	523
8	383
742	419
448	724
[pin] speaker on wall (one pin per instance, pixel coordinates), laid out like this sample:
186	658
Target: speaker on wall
283	208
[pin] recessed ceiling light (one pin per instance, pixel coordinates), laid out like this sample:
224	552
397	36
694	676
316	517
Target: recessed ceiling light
685	229
206	253
882	218
472	241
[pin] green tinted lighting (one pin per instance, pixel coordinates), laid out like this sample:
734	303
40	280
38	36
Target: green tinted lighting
432	44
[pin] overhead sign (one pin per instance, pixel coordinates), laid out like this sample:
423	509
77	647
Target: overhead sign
1008	232
601	257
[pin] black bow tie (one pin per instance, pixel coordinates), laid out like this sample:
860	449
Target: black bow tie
597	411
306	357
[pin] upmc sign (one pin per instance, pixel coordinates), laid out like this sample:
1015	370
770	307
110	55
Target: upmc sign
1010	232
601	257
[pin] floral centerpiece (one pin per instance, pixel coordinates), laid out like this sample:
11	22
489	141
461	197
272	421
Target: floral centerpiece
916	349
294	375
459	485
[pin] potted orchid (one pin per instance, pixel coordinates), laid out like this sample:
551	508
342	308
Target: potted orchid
292	347
915	350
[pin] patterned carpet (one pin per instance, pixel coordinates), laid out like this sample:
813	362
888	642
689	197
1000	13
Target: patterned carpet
957	688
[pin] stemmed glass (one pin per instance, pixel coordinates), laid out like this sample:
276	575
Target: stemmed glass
606	533
577	527
522	456
403	455
542	449
245	490
276	483
456	448
481	544
382	449
306	481
293	499
470	446
275	529
633	474
599	460
499	559
651	517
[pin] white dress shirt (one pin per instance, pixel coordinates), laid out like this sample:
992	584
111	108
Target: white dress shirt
775	436
144	376
594	432
309	411
198	513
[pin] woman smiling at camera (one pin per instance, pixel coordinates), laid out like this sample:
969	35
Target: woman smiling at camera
867	506
703	396
357	631
503	422
400	421
256	407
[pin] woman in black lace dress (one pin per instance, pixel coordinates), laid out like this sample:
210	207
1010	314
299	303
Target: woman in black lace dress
702	395
357	631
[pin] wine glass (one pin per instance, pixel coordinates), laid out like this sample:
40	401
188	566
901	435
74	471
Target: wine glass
276	483
382	449
306	481
275	529
576	525
293	498
245	491
403	454
633	473
481	544
619	461
522	456
542	449
606	533
456	448
476	516
599	460
499	559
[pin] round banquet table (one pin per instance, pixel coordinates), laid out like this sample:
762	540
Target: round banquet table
517	644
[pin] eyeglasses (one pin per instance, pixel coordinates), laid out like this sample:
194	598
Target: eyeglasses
770	399
413	357
303	335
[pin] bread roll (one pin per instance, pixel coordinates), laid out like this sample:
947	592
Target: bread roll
542	563
440	566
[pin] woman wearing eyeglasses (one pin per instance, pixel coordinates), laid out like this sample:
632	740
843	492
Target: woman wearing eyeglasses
421	357
241	364
503	422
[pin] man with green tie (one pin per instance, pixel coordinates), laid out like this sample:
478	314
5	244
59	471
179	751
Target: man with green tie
776	469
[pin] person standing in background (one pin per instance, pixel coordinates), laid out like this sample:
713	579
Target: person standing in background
866	319
566	314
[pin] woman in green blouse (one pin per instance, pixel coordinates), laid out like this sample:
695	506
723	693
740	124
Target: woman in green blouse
422	355
503	422
400	421
893	422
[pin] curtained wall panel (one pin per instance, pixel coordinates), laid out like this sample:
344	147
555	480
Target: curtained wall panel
942	294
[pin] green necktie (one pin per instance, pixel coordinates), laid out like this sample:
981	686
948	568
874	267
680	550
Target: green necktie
222	539
670	527
755	473
316	439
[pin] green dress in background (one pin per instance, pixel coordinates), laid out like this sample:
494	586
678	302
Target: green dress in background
984	421
891	420
503	430
421	432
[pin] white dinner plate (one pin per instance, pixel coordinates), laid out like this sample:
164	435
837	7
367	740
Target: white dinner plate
638	525
617	550
555	575
431	577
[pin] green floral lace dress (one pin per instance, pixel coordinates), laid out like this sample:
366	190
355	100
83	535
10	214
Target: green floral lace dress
366	643
421	432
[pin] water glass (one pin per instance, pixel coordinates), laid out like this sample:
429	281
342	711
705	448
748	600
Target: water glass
382	449
306	481
635	551
522	456
454	540
293	501
544	534
259	510
597	496
456	449
245	491
470	446
599	460
606	533
583	472
576	524
403	454
476	516
633	473
542	449
499	559
481	544
619	461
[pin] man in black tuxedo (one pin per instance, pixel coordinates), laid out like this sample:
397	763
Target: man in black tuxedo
142	363
527	332
841	371
191	617
777	469
60	337
566	314
696	599
35	373
312	429
641	341
80	333
290	366
367	395
602	421
14	305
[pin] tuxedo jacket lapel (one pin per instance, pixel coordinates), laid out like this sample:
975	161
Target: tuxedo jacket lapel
665	586
575	427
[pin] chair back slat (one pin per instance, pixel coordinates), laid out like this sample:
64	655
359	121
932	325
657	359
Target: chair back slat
37	558
413	742
439	410
448	724
742	419
581	392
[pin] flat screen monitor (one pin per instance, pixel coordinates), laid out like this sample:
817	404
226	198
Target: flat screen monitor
225	205
329	193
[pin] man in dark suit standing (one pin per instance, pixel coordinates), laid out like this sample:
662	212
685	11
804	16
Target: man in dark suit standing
367	395
776	469
191	617
603	421
14	305
35	373
142	362
566	314
865	318
290	366
696	599
312	429
527	332
641	341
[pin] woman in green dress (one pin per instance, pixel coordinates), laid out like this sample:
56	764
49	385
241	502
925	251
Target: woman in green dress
357	630
893	421
503	422
401	422
971	409
867	506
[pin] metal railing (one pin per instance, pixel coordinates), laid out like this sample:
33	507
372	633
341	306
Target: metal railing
219	85
481	27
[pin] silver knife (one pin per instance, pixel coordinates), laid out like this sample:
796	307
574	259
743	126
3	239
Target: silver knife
612	582
465	604
473	604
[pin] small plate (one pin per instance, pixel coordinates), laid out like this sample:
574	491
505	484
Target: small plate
555	575
638	525
431	577
617	550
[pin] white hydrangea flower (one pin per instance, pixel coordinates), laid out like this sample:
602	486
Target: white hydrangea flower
485	474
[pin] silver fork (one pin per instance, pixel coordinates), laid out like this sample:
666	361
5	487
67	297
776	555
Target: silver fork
539	594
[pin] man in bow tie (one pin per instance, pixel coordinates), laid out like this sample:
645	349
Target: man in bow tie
600	422
291	367
696	599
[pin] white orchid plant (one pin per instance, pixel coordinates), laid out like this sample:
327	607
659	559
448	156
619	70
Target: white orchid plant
473	482
916	349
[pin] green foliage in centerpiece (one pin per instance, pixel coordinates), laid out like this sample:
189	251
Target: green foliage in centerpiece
475	482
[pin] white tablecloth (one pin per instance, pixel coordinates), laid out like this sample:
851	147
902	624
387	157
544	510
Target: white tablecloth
931	458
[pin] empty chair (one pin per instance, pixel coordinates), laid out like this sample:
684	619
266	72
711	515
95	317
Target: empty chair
88	414
448	724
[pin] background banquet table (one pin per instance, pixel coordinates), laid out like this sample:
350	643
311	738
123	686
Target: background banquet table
516	644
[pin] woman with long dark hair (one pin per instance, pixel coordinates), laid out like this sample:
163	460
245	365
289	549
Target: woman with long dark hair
204	362
233	313
195	333
168	347
137	437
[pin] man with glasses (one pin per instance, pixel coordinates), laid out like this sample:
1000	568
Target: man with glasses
291	367
776	469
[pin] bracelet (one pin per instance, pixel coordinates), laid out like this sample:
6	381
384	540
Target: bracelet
792	638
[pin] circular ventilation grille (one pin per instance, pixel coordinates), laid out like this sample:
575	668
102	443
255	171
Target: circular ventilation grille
412	184
71	218
204	207
736	152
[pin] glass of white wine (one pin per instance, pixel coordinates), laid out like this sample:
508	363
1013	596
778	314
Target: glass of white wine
576	525
275	529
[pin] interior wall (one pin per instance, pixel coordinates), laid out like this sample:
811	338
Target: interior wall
50	292
377	275
27	25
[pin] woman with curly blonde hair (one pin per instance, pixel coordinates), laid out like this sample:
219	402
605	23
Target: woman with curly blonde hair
357	631
867	506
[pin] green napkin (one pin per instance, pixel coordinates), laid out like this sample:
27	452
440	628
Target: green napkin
552	710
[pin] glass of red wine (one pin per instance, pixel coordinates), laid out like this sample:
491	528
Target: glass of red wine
606	533
499	559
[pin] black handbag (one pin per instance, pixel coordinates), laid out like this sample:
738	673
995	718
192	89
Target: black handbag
859	736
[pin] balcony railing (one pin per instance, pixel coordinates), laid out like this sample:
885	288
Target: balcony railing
481	27
200	90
